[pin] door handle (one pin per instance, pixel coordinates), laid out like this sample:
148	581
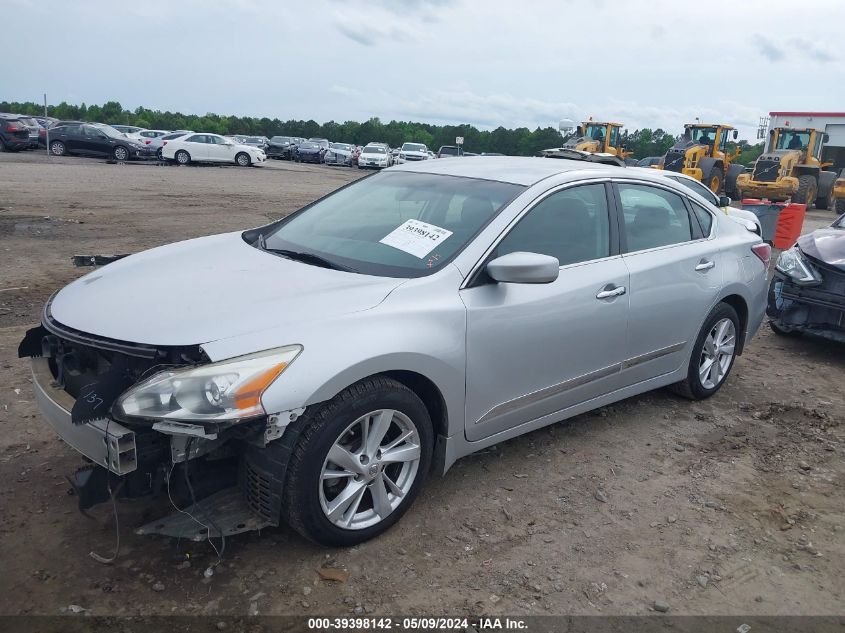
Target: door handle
609	293
705	264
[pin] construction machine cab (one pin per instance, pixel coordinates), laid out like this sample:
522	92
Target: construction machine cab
702	152
598	138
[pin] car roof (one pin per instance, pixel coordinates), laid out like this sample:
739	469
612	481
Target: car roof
518	170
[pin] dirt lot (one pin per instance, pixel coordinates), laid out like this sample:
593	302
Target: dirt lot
734	505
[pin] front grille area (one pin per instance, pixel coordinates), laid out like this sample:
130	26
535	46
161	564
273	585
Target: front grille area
258	492
766	170
674	161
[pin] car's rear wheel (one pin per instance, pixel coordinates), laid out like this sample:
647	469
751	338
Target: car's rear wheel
712	356
182	157
243	159
57	148
359	463
120	153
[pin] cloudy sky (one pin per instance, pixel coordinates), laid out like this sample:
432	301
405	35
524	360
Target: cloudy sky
645	63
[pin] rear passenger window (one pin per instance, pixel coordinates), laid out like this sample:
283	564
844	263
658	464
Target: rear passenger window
653	217
571	225
705	220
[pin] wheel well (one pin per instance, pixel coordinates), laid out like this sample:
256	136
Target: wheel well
428	393
738	304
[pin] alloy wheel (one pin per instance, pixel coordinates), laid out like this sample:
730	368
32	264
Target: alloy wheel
120	153
369	469
717	354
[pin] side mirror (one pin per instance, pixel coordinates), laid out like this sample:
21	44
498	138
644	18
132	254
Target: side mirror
826	137
524	268
736	134
724	201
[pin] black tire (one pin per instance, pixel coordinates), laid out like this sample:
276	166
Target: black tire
714	179
57	148
825	202
182	157
242	159
2	146
840	206
322	425
120	153
159	154
781	330
806	193
691	387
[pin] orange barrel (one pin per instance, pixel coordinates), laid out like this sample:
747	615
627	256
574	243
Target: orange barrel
789	226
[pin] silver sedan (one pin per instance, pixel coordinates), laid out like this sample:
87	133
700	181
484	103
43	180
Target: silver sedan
337	356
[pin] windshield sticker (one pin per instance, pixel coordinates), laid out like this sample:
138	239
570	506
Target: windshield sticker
416	238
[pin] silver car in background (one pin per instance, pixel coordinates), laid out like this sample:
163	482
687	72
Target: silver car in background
316	369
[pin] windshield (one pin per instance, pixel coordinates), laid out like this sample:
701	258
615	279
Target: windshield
345	146
254	139
280	139
309	146
792	140
703	135
374	149
110	131
595	132
394	224
446	149
413	147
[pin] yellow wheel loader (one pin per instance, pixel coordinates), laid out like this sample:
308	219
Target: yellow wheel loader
839	193
791	169
598	138
702	153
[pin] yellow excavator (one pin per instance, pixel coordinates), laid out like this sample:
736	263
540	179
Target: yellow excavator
702	153
598	138
839	193
791	169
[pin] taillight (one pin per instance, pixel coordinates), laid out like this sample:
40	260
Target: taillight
163	143
11	128
764	252
147	142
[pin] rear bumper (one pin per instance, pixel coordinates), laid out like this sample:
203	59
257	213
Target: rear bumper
14	143
104	442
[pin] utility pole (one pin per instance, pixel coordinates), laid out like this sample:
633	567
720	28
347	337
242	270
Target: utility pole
47	129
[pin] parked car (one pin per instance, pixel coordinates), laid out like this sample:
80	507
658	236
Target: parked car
309	152
14	134
157	143
723	202
648	161
448	151
212	148
257	141
339	154
127	129
376	156
807	291
42	133
393	326
33	128
410	152
145	135
281	147
90	139
322	142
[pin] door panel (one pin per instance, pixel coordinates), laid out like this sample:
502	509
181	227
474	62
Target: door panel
197	147
219	152
535	349
672	285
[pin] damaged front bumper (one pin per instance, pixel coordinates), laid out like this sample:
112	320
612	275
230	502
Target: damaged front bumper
817	309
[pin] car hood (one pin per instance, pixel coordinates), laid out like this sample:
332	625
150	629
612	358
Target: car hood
208	289
825	245
373	155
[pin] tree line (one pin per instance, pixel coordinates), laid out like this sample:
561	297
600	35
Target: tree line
519	141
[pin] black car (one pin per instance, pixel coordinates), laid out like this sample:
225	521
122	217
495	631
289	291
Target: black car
281	147
96	140
43	132
14	134
310	152
256	141
447	151
807	292
648	161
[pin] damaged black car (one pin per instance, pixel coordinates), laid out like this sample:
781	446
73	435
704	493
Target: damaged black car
807	292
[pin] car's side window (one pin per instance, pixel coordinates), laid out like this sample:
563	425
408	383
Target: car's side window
653	217
572	225
705	220
196	138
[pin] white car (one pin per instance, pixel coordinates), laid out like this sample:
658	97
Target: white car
375	155
146	135
410	152
212	148
740	215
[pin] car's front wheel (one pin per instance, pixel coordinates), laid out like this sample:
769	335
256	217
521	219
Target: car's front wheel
243	159
713	354
182	157
57	148
359	463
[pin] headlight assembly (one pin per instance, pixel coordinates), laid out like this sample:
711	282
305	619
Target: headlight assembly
793	264
228	391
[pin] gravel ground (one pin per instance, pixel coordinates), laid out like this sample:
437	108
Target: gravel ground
733	505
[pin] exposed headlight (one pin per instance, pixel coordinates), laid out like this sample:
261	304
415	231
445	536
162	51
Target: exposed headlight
218	392
793	264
